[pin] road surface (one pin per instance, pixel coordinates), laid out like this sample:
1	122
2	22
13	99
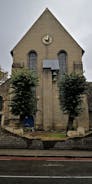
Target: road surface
28	170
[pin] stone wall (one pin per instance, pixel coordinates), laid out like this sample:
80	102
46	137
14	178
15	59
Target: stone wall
8	140
89	98
49	115
4	92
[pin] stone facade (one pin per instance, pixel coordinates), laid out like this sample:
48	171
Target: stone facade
4	93
47	37
89	97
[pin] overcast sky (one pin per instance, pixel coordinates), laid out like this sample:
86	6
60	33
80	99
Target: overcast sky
17	16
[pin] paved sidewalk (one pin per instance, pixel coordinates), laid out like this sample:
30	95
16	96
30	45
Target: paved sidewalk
45	153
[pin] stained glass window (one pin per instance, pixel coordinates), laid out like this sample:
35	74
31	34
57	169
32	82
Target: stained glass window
62	57
33	60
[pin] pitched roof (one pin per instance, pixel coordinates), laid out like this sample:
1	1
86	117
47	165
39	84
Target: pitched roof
44	12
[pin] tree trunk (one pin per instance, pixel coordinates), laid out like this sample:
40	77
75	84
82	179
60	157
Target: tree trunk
21	119
70	123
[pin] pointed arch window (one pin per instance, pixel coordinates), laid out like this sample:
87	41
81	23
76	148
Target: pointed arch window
33	60
62	57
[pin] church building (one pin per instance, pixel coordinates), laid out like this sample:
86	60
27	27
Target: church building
51	51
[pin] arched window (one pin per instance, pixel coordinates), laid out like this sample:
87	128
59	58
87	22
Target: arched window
33	60
1	103
62	57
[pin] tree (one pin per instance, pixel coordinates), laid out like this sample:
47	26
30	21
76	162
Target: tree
71	88
3	76
24	101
